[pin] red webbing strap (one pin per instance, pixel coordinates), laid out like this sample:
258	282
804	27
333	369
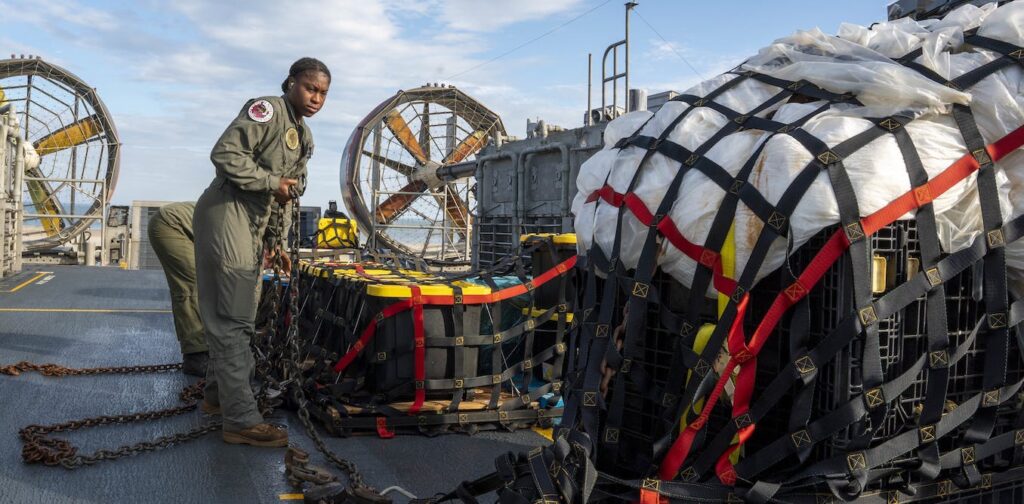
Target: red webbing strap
419	351
361	271
668	229
649	493
369	332
681	447
822	261
639	209
509	292
382	428
743	392
393	309
608	194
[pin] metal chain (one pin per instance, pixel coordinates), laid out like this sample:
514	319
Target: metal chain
293	372
59	371
39	447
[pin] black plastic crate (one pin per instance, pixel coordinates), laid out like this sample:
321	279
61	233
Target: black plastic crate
642	417
902	339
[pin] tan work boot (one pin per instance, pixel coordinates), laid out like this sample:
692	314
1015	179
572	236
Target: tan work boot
209	409
263	434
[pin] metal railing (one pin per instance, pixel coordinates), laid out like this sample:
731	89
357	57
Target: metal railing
12	170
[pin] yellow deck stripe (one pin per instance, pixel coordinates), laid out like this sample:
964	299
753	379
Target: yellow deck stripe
291	497
39	275
80	310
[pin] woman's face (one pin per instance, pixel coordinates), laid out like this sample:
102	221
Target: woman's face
309	92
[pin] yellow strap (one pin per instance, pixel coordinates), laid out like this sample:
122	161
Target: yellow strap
729	270
728	265
704	334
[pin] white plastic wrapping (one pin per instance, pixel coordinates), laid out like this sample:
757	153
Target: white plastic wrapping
592	177
857	61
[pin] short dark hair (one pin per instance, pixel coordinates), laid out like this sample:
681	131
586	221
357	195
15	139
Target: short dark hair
305	65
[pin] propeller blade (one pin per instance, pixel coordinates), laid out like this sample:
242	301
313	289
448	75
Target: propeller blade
41	193
391	208
402	168
470	145
401	130
454	208
69	136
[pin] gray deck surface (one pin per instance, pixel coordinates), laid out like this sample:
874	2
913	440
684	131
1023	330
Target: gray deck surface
206	470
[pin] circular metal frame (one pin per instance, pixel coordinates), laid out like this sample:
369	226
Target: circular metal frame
66	122
395	176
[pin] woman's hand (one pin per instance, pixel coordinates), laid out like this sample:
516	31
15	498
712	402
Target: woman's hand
282	193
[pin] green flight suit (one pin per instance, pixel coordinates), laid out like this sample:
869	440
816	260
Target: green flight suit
170	235
231	221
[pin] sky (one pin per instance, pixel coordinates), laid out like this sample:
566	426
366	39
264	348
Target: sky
174	73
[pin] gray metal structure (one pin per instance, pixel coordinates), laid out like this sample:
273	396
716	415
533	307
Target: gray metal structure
12	168
140	253
527	187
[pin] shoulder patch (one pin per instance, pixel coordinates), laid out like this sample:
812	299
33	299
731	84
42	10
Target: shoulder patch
261	111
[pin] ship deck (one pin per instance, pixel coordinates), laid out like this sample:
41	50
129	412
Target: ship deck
90	316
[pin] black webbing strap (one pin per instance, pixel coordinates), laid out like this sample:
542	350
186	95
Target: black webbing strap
685	359
803	367
607	315
889	304
590	397
846	414
583	339
860	262
639	292
803	398
461	351
936	324
639	288
994	264
395	419
528	357
497	348
856	465
969	456
769	233
806	88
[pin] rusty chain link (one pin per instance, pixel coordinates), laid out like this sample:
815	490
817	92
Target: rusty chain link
56	370
40	448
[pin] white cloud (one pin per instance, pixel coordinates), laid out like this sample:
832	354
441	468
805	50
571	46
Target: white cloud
473	15
194	65
662	50
53	14
175	88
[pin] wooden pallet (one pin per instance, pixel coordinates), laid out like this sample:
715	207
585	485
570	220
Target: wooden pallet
481	399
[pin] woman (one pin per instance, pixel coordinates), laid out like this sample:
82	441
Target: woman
258	159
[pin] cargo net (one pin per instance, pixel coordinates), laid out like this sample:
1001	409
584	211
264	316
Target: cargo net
390	346
802	277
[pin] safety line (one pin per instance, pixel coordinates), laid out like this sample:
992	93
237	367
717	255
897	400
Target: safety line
30	280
